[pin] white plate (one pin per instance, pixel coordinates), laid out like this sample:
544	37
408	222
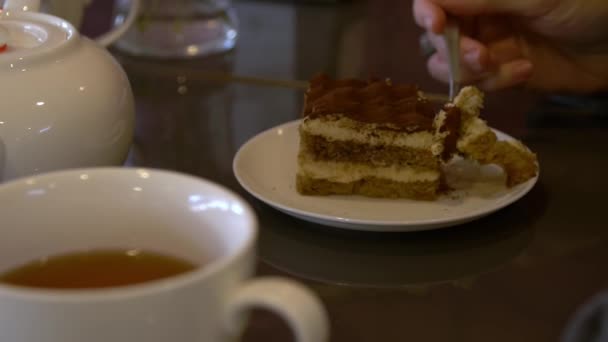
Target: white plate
266	167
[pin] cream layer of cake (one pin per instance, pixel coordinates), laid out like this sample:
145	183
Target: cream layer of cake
340	128
345	172
341	139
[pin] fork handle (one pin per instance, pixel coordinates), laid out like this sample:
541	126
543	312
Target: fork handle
452	39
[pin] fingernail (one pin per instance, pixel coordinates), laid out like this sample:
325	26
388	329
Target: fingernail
522	70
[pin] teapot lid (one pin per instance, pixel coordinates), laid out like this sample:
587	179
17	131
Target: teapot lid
26	35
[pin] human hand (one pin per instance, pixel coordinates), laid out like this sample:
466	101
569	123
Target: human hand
550	45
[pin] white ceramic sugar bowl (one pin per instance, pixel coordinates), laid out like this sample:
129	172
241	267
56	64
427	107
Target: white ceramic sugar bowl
64	100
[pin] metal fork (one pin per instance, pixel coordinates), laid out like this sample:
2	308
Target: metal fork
452	42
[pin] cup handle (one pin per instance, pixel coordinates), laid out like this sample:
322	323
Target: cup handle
109	38
302	310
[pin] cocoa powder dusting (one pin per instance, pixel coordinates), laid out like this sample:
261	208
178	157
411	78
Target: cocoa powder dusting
373	101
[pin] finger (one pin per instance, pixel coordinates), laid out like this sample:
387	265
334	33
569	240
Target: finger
439	69
505	50
477	7
493	27
508	75
474	55
429	16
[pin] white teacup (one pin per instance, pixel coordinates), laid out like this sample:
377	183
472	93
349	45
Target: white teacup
153	210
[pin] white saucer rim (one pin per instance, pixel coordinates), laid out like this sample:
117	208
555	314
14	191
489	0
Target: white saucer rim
522	190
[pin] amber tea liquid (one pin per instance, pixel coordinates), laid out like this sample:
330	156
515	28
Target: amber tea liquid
96	269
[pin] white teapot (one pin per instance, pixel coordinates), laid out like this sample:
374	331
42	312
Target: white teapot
64	100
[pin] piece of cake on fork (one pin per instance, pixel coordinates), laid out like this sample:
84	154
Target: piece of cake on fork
478	142
379	139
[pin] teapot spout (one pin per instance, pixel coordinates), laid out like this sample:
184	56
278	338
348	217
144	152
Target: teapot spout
22	5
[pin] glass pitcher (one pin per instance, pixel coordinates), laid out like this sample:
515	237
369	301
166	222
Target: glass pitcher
178	28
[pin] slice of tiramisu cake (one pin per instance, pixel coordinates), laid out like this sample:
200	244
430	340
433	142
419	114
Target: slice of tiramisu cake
370	138
379	139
